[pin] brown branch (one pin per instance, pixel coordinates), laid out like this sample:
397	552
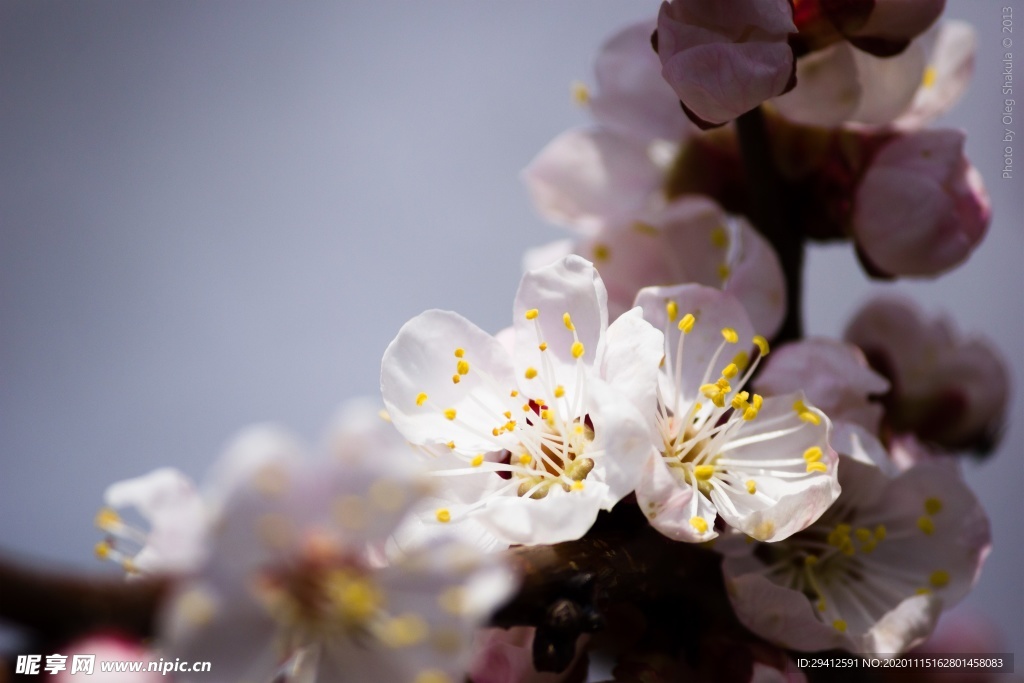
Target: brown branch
771	215
63	606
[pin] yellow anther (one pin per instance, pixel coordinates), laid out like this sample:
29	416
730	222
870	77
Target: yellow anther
739	401
751	486
699	524
404	631
844	529
750	413
730	371
107	518
933	506
923	591
724	271
456	379
577	349
543	346
495	431
710	390
578	429
530	373
863	535
813	454
450	413
545	414
757	401
817	467
102	550
526	408
602	252
719	237
931	74
926	525
508	414
810	560
730	335
577	486
567	319
839	625
513	393
460	352
741	359
799	406
129	566
723	384
762	344
672	310
443	515
559	391
383	414
580	93
939	579
421	398
704	472
462	367
451	445
477	460
686	324
532	314
525	459
808	416
880	532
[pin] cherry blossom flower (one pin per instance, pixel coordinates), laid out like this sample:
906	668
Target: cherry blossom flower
724	59
763	465
549	433
174	512
843	85
295	583
947	391
920	208
873	573
692	240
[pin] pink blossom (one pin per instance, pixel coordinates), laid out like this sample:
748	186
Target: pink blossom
874	572
725	58
921	208
506	656
108	647
946	390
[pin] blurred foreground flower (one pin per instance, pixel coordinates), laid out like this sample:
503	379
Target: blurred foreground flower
296	581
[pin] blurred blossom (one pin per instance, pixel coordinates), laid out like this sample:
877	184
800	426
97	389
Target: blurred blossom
842	85
880	27
920	208
871	575
295	581
546	436
763	465
724	59
690	240
175	540
947	391
108	647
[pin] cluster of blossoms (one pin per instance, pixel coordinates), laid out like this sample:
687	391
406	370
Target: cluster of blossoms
638	374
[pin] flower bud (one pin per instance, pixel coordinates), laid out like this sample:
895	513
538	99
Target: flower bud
724	59
920	208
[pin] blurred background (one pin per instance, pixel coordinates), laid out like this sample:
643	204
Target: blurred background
214	214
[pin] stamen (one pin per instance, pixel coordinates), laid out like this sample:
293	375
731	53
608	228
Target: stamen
532	314
443	515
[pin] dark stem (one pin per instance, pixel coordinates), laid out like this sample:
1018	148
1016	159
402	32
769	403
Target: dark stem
772	216
60	607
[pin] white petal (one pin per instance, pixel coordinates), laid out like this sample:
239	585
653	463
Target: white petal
669	506
559	516
421	360
633	350
570	286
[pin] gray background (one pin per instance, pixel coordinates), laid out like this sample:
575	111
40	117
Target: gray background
219	213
